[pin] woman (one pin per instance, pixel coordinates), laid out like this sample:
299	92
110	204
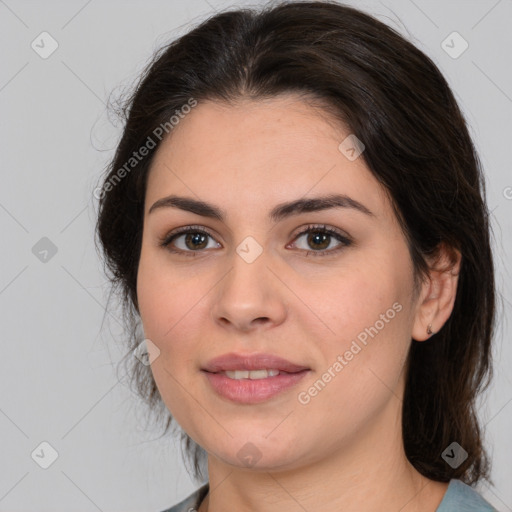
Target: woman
296	214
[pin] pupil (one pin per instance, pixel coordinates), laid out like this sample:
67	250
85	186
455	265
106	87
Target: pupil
195	238
315	236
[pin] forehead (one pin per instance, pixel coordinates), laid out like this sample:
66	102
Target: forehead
255	154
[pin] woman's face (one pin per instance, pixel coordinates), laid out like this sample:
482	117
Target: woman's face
341	307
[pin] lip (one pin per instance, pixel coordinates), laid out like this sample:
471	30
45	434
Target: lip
247	391
234	361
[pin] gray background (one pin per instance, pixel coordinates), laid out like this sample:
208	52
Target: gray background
57	370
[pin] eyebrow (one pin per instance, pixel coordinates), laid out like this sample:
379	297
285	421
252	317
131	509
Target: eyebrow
279	212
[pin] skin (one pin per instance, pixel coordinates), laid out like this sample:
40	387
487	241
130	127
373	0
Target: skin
342	450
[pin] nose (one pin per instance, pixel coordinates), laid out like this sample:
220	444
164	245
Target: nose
250	296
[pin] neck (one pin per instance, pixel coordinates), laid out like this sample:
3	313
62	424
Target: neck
366	473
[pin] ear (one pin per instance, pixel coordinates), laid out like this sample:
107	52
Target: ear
437	296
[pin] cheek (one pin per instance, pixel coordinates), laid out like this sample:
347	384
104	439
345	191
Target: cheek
163	300
353	299
168	308
168	323
359	380
161	312
365	348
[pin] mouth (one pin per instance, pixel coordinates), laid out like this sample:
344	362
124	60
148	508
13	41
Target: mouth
252	378
260	374
252	387
252	363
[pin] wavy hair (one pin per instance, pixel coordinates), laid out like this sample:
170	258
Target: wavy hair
417	145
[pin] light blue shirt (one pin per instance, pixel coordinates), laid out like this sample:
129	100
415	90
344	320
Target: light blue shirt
459	497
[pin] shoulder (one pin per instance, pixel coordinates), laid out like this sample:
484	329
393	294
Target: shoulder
190	503
460	497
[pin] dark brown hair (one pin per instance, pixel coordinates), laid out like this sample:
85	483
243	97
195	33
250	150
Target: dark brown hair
417	145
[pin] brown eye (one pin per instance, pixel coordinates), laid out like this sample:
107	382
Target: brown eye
187	241
192	240
195	241
319	239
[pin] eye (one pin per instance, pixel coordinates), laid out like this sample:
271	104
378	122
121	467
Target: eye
320	238
194	239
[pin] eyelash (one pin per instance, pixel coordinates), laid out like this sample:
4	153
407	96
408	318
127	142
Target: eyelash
312	228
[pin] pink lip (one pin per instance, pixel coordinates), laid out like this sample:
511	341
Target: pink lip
247	391
233	361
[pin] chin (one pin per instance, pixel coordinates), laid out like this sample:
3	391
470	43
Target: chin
257	453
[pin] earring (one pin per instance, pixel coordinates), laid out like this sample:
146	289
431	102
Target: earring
429	329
